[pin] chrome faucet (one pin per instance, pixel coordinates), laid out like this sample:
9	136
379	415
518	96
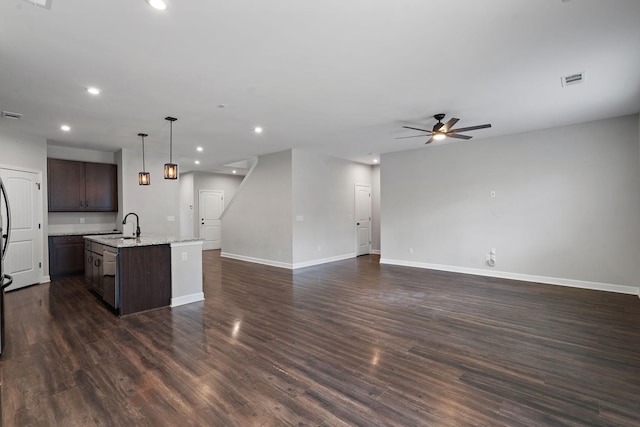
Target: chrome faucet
124	221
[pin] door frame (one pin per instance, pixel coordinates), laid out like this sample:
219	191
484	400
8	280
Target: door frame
200	191
41	252
355	214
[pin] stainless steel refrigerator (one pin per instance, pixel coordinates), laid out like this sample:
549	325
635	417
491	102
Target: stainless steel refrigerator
5	235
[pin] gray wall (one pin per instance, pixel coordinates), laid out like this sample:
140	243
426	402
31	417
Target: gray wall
567	204
257	225
28	152
323	197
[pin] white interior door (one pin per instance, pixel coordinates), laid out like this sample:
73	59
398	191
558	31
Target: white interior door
24	252
363	219
211	205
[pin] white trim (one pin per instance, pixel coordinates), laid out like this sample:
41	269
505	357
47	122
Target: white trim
45	279
375	251
258	260
622	289
189	243
323	260
187	299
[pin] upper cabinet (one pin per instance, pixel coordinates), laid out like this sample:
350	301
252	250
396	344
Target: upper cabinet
82	186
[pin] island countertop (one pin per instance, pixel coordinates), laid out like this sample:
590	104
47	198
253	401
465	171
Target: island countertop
118	241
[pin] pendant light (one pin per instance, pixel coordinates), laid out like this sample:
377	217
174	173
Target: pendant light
144	178
170	169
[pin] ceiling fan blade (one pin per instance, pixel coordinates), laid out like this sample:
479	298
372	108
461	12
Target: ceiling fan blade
470	128
411	136
430	140
421	130
449	124
455	135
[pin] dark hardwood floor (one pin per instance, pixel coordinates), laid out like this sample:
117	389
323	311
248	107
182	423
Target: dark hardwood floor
346	343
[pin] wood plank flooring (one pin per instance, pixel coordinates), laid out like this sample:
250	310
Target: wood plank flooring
342	344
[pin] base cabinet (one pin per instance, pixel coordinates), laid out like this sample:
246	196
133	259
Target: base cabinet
66	256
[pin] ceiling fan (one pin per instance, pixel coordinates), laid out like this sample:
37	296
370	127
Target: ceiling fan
443	130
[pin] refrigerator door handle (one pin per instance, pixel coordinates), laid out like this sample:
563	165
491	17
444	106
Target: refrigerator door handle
3	191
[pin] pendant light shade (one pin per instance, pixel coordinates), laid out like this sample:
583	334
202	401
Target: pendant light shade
144	178
170	169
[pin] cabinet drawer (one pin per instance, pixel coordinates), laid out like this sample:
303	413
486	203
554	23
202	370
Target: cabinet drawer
62	240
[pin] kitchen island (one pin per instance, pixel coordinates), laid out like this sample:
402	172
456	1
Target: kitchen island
144	273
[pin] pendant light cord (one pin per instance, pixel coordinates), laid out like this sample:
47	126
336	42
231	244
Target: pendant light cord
171	142
143	168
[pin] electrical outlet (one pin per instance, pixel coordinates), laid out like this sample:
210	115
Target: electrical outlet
184	256
81	220
411	251
171	218
493	193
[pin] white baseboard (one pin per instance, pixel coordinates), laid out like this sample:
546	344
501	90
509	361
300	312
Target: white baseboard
622	289
287	265
375	251
45	279
187	299
323	260
257	260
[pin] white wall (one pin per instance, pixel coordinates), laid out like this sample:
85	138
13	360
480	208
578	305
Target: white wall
324	197
187	216
30	153
375	209
212	181
153	203
257	225
567	205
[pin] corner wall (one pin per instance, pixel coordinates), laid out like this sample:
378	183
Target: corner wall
566	210
323	207
257	225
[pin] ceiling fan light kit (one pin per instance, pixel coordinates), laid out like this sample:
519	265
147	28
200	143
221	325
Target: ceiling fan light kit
441	130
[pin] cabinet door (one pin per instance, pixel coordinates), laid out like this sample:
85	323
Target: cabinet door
101	187
66	256
66	185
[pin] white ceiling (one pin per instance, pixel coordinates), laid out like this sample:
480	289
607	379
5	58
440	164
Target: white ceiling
339	76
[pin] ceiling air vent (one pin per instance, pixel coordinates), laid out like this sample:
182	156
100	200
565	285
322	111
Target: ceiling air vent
573	79
10	115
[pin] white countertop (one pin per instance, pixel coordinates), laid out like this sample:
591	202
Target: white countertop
117	241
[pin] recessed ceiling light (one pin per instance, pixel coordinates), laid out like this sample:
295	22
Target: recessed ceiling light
199	148
258	129
197	162
93	90
222	105
375	160
157	4
234	171
65	128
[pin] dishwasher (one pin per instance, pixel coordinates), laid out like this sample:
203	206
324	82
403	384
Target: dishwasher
110	278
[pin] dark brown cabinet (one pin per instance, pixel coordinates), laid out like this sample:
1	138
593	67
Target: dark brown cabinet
82	186
66	256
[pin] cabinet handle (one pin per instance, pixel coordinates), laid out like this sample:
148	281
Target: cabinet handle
89	259
86	203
